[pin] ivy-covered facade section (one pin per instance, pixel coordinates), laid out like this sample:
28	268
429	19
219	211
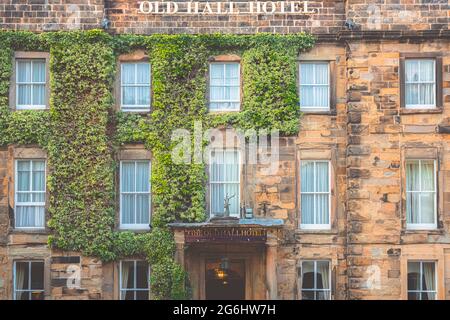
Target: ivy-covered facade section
82	131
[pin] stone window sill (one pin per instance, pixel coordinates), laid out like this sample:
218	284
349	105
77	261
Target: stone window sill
433	231
421	111
320	113
30	231
321	232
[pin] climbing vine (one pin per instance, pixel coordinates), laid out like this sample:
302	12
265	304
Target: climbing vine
82	131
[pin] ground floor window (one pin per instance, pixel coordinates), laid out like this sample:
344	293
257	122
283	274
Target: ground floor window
316	280
421	280
134	280
28	280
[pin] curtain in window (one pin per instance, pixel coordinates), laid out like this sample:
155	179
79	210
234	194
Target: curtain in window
307	199
323	269
420	82
224	181
420	192
126	266
314	85
414	279
142	185
21	270
429	280
128	183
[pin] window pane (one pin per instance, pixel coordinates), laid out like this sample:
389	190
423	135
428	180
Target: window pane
322	203
38	94
427	175
307	295
413	275
128	73
321	73
143	176
127	274
37	275
23	71
25	216
427	207
142	295
24	94
307	73
307	96
232	74
142	281
217	198
143	73
231	170
412	176
413	295
23	179
412	70
142	209
128	177
21	275
322	177
412	207
143	96
323	275
323	295
217	74
307	208
128	209
38	71
426	70
307	176
428	277
308	274
412	94
128	95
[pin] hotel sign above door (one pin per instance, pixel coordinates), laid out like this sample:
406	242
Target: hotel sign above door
225	234
227	7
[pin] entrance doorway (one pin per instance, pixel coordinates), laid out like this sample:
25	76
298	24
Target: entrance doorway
225	279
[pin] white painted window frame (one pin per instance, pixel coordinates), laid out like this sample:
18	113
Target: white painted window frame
136	226
16	191
224	86
423	226
29	290
314	226
135	85
420	275
421	106
32	83
328	85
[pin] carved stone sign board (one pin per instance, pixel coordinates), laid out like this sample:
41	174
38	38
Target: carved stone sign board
225	234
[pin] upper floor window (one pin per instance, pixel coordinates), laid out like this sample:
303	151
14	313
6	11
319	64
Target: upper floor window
31	80
224	94
135	86
134	280
315	194
421	194
316	280
422	280
135	194
30	194
314	86
224	180
420	83
28	280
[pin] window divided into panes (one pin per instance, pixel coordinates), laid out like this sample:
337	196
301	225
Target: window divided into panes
315	194
28	280
135	86
135	194
30	194
314	86
422	280
30	84
316	280
224	177
420	194
224	94
420	83
134	280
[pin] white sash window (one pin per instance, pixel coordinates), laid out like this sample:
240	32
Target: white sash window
420	83
314	86
422	280
28	280
135	86
224	94
30	84
316	280
134	280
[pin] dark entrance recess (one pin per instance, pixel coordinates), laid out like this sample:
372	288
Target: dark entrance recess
225	279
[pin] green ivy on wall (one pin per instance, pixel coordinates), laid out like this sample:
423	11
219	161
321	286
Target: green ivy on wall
81	132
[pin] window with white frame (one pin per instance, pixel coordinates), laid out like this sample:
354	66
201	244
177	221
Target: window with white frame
31	84
315	194
134	280
421	194
224	93
314	86
224	180
135	194
28	280
420	83
135	86
316	280
30	194
422	280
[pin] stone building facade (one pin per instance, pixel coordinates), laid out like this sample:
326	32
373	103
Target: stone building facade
368	136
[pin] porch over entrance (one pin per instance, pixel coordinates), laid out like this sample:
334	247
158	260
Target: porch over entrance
230	258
